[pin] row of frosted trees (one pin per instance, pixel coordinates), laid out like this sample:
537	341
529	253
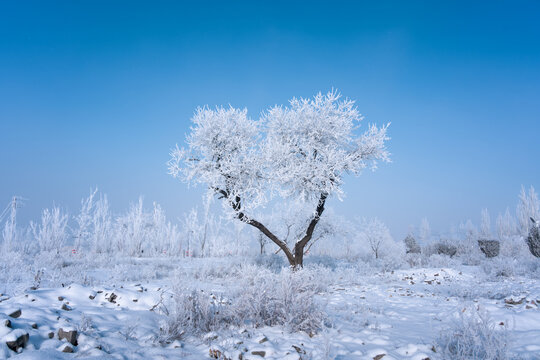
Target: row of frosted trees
95	230
143	231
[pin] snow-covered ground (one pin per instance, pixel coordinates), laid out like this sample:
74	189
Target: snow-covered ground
368	314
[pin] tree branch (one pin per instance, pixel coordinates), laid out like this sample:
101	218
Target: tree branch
311	227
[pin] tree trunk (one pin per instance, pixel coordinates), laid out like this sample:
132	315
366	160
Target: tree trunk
296	260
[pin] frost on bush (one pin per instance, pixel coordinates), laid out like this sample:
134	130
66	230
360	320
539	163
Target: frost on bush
263	299
500	267
473	335
287	299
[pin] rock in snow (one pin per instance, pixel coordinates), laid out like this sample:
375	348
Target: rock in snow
70	336
17	339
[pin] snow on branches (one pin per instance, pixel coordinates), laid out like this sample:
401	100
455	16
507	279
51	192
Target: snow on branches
311	144
297	152
222	153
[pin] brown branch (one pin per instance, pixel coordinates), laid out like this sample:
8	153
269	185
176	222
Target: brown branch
299	247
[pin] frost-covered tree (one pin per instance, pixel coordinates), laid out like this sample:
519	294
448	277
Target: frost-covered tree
485	224
83	231
376	234
51	232
132	230
192	231
301	152
506	226
411	245
528	207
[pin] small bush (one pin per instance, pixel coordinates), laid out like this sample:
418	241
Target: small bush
474	335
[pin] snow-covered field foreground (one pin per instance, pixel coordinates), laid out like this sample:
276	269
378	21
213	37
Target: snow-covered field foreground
223	308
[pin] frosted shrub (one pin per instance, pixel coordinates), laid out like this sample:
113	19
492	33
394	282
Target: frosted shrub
500	267
414	260
411	245
199	312
263	299
286	299
474	335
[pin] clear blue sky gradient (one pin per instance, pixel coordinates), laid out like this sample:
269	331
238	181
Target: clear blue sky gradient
96	93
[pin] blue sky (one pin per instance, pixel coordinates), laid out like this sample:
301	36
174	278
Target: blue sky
95	93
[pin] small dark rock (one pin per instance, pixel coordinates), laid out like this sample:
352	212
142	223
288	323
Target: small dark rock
112	298
16	314
7	323
60	298
68	349
260	353
66	307
70	336
50	335
92	297
34	326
